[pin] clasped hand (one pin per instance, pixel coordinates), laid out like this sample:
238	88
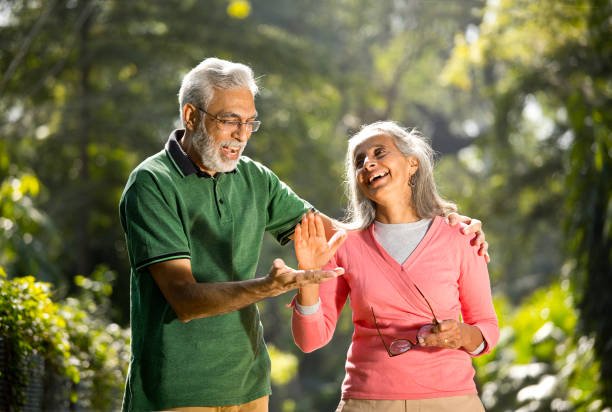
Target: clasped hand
446	334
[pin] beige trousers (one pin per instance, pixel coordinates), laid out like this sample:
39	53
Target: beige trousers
258	405
467	403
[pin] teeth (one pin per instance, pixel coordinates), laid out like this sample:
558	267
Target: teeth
376	176
232	148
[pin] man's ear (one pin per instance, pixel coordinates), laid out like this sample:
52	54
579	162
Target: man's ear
190	117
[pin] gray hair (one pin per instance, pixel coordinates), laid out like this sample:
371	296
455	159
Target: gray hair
425	200
199	84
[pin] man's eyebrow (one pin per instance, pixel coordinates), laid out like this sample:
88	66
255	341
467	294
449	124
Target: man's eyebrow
236	115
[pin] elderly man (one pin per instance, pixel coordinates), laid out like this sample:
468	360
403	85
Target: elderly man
194	217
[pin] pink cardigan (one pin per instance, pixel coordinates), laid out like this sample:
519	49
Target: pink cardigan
455	280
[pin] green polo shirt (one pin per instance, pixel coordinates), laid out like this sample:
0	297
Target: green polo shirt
171	210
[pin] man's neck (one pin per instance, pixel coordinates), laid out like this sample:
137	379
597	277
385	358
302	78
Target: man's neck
187	144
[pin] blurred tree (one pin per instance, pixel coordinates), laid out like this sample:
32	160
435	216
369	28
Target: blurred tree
78	80
87	90
546	69
539	365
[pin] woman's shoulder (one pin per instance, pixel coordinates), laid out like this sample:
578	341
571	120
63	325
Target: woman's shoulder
357	235
449	233
453	238
356	241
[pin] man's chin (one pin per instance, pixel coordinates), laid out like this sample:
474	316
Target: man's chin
228	166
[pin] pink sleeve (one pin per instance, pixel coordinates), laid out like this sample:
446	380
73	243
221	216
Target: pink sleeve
311	332
475	296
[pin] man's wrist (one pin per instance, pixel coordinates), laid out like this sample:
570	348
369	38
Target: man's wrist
308	267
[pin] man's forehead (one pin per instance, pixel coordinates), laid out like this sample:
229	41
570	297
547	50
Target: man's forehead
235	101
231	113
233	93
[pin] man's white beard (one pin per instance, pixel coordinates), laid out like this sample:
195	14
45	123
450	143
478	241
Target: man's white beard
210	152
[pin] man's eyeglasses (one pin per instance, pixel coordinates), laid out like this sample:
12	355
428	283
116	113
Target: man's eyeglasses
228	125
399	346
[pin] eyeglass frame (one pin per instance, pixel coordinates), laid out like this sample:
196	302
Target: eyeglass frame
408	344
252	125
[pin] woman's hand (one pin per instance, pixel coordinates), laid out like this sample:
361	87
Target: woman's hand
312	249
446	334
450	334
473	226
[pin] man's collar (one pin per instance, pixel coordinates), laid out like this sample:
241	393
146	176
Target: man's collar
180	158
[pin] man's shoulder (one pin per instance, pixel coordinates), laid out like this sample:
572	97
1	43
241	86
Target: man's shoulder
158	164
254	170
250	165
155	163
152	169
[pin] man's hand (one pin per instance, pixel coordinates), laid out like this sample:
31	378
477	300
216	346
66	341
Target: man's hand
474	226
282	278
312	249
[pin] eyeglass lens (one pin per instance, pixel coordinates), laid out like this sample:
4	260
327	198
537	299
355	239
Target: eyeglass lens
232	125
399	346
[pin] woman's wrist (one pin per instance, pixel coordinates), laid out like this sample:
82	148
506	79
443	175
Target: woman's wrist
308	295
471	338
308	309
479	349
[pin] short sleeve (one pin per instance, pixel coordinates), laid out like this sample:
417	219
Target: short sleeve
285	209
154	231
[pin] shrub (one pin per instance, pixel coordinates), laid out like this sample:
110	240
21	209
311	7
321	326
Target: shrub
541	363
74	337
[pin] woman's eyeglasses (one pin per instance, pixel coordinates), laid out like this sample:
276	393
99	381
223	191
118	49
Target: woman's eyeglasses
399	346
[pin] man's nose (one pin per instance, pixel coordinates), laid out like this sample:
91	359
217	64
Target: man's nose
242	133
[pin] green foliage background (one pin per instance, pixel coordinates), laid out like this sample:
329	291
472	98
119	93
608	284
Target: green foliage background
514	94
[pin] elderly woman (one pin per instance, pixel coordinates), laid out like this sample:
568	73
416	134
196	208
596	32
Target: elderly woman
419	292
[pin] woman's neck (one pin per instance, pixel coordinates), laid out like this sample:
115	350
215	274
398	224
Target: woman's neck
396	214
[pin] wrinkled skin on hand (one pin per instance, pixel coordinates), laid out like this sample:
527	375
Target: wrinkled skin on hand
312	249
447	334
282	278
473	226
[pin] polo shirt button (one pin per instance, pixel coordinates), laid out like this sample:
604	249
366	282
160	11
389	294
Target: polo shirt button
221	201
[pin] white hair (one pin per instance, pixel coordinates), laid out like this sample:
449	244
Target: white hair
425	199
199	84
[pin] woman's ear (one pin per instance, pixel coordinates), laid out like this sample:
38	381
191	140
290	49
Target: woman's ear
413	162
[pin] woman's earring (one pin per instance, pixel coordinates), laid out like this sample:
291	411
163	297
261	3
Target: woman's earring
412	180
